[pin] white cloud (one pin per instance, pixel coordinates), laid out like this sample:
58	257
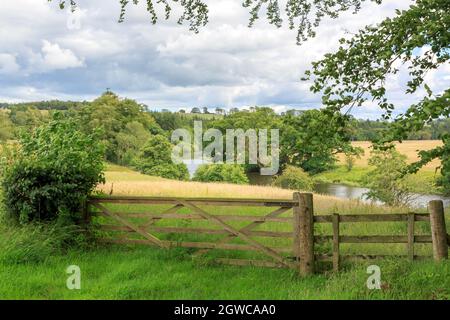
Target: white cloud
8	64
54	57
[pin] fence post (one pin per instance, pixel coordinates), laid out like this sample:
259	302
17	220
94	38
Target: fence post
438	230
85	212
336	257
410	244
304	232
296	230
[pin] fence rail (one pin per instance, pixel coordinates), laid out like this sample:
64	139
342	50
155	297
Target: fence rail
301	255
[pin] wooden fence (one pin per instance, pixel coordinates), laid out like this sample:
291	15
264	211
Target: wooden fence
300	255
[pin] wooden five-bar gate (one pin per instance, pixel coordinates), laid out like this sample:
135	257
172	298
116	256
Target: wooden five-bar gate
299	255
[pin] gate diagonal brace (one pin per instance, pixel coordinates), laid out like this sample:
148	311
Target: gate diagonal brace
237	233
249	227
132	226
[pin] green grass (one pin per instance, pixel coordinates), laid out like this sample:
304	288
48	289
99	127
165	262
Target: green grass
141	272
340	174
128	272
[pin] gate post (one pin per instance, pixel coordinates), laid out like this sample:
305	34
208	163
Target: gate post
85	212
304	232
438	230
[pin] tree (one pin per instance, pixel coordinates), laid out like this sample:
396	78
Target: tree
307	143
6	127
417	38
230	173
27	116
261	118
155	158
220	111
195	110
385	181
125	125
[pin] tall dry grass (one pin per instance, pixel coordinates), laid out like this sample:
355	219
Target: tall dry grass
131	183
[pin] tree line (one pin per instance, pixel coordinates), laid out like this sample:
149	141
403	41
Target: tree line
16	116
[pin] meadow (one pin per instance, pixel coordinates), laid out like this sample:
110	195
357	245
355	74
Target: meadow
141	272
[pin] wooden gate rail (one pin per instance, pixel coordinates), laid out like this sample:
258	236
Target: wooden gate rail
197	213
301	255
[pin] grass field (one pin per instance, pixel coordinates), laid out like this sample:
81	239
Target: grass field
138	272
423	181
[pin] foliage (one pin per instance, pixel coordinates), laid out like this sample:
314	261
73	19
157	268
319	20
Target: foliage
385	181
416	38
350	158
125	125
231	173
44	105
427	155
294	178
155	158
259	118
6	127
307	143
54	170
27	117
305	15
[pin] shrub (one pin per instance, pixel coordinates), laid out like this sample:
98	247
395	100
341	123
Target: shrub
294	178
55	168
221	173
169	171
155	158
387	181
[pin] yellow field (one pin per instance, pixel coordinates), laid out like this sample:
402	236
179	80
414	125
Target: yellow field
408	148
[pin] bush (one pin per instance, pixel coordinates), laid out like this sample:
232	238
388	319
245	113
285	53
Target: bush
155	158
221	173
294	178
387	181
55	168
169	171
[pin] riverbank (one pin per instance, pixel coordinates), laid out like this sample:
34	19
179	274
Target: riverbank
423	181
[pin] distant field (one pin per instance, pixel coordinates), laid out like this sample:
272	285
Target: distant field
408	148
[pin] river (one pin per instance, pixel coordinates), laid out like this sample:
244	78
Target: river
350	192
344	191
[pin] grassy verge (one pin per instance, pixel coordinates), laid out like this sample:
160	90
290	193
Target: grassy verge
145	273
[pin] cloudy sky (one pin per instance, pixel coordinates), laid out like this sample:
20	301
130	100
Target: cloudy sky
47	53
